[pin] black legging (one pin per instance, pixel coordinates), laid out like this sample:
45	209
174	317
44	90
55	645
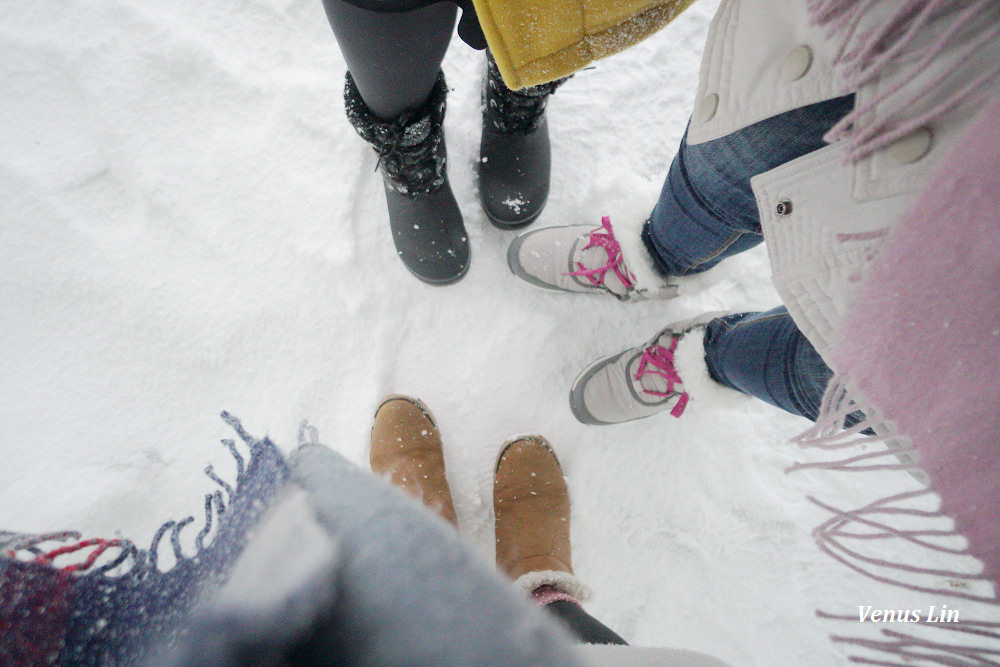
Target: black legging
583	626
394	58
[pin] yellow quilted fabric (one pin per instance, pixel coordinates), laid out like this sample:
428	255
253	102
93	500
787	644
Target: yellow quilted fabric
535	41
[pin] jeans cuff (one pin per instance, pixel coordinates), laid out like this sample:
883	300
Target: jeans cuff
654	253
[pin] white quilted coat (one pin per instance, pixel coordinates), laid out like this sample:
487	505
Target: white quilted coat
824	216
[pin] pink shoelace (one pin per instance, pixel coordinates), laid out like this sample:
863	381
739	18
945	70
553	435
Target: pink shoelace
604	237
659	360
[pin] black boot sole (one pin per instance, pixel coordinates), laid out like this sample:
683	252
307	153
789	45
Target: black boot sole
522	172
429	235
507	225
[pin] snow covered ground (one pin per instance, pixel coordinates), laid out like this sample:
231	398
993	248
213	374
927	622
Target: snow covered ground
188	224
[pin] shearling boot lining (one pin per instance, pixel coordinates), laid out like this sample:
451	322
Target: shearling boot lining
649	282
689	361
564	581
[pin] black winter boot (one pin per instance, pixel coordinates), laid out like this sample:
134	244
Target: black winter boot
426	224
514	156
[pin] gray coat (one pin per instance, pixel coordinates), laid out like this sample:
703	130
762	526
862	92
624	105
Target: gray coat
345	569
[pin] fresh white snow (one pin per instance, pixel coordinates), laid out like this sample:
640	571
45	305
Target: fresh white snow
188	224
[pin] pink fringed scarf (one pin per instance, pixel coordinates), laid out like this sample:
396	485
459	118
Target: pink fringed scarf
919	352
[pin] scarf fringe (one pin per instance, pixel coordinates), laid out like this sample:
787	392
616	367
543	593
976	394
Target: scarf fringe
44	548
864	55
937	652
848	536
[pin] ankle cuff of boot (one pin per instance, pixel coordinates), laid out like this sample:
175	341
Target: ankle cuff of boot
514	111
566	582
690	364
410	146
547	594
648	282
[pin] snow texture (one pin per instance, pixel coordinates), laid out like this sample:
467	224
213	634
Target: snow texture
189	224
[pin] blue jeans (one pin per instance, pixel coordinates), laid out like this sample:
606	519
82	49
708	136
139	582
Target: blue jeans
707	212
765	355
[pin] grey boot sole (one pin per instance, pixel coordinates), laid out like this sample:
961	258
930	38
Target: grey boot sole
576	405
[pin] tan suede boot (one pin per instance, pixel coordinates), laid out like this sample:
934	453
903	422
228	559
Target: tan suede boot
406	449
531	508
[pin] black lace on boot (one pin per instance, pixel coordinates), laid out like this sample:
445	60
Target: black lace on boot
410	147
515	111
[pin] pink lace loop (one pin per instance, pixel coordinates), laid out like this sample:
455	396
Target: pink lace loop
659	360
604	237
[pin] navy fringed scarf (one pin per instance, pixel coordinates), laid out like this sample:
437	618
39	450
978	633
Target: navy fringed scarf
64	600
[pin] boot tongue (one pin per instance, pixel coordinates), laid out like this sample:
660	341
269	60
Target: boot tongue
597	257
651	381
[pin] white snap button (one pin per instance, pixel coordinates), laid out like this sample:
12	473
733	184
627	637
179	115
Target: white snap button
912	147
709	105
796	63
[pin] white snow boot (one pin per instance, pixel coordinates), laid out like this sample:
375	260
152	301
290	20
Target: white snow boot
610	259
646	380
